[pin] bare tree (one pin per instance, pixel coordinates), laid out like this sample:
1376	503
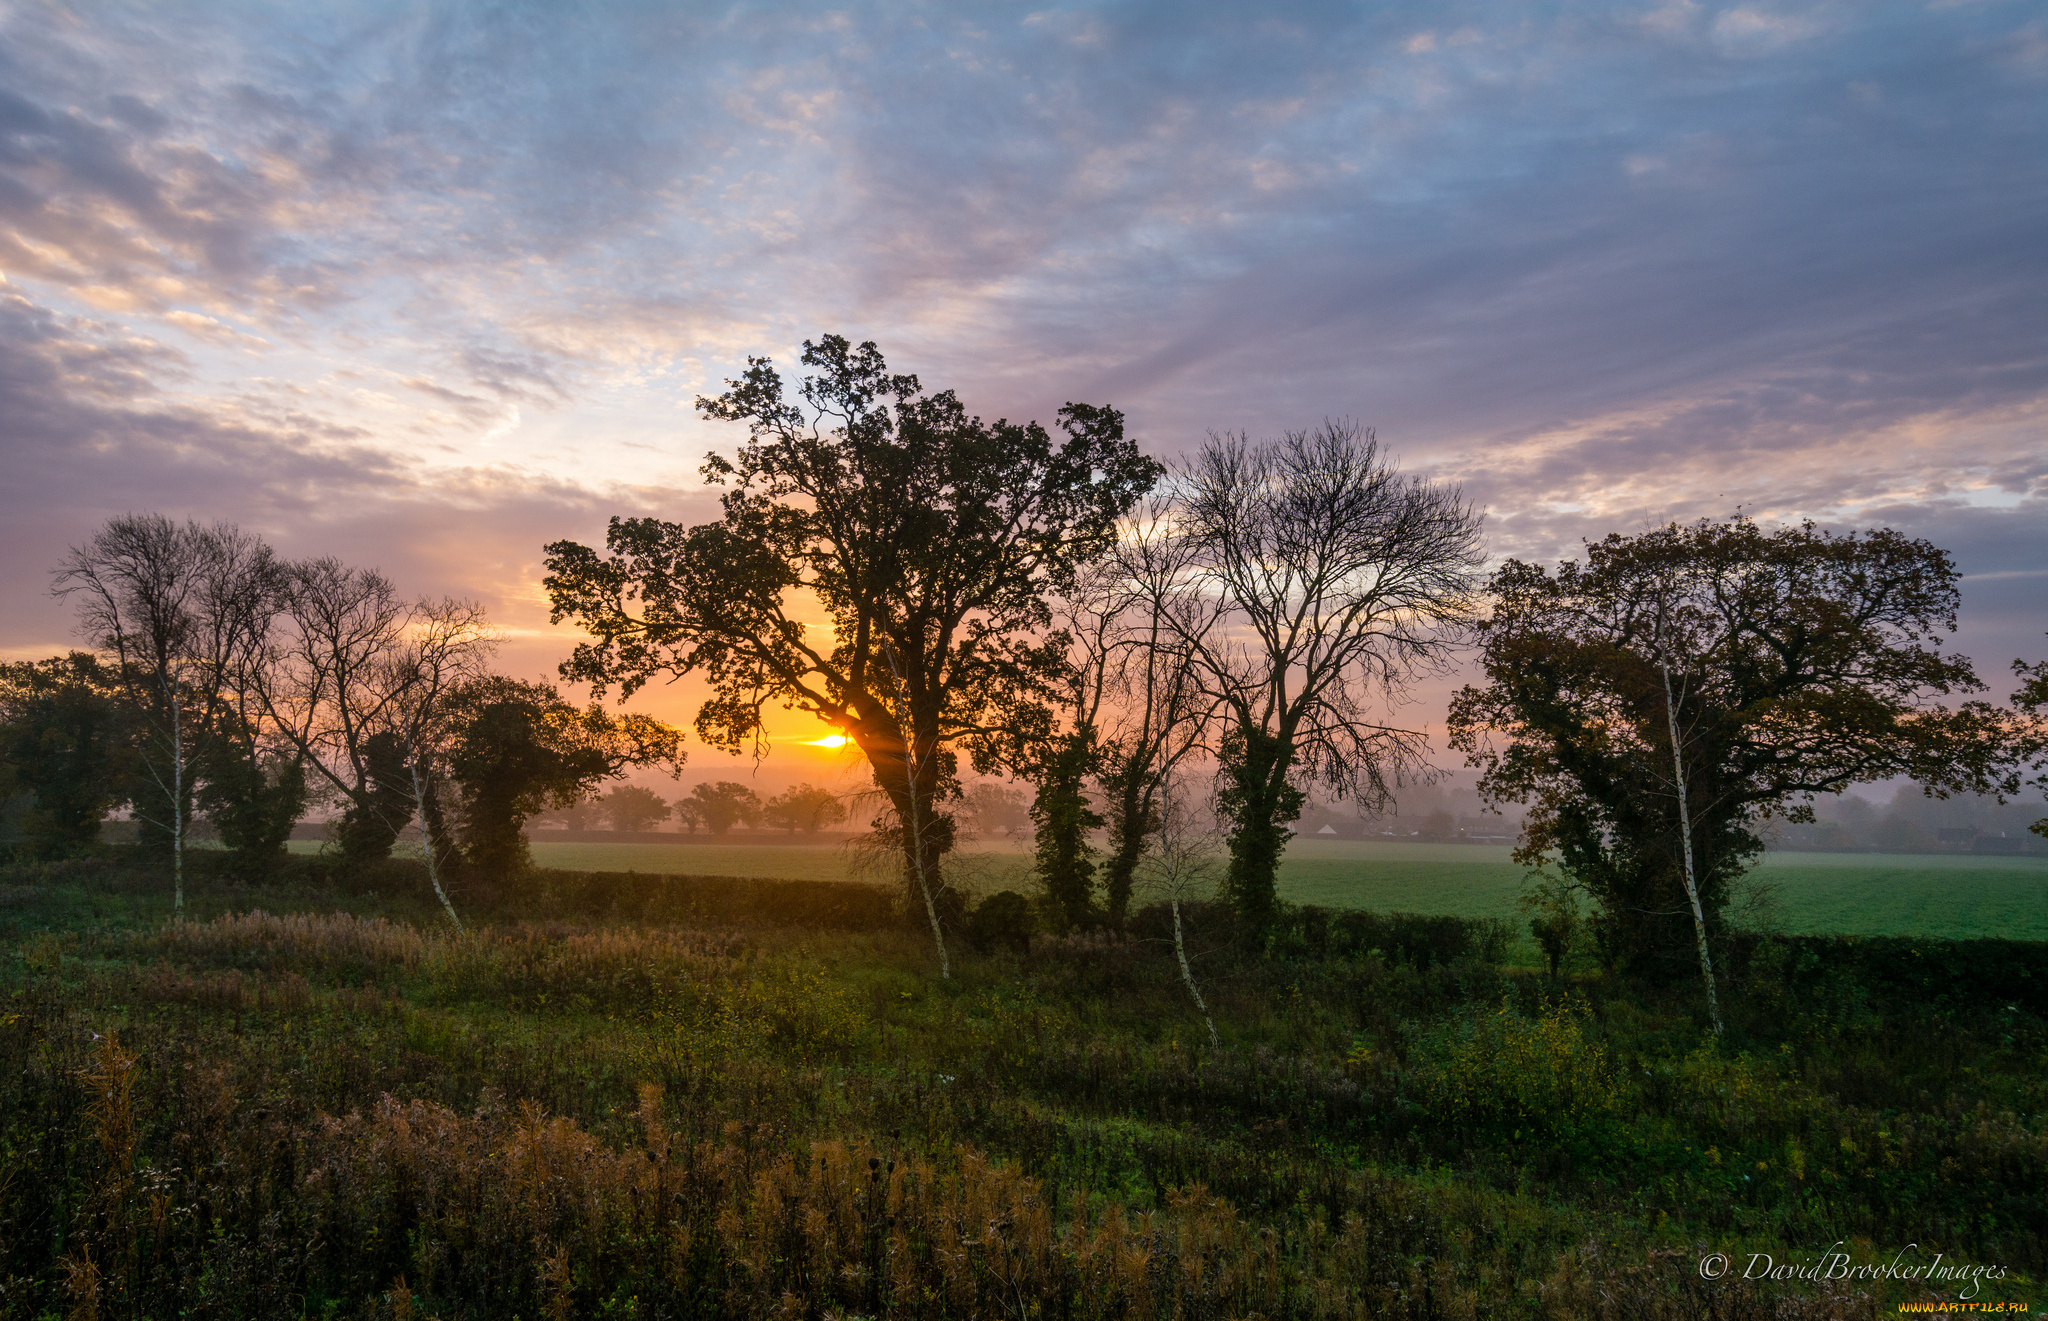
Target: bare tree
1315	583
355	678
180	608
1135	623
446	645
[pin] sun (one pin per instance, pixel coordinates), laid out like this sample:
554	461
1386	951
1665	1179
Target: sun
829	741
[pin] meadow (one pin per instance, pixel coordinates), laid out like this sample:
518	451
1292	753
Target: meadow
629	1094
1858	894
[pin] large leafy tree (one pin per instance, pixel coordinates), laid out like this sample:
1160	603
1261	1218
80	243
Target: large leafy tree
631	808
928	540
1790	663
253	796
804	807
720	805
65	740
514	748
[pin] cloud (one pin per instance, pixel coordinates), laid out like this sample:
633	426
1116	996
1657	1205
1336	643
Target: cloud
215	330
1602	265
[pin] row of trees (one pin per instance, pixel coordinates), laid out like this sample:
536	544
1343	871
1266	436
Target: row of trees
714	806
1144	649
983	601
1067	611
229	682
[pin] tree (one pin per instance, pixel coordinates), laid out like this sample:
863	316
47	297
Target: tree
630	807
1770	667
804	807
1180	866
1063	859
1135	615
2032	698
722	805
994	809
929	539
64	741
178	609
1316	583
515	747
357	682
253	798
583	814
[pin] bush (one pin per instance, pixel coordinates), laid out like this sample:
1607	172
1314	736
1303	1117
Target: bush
1001	921
1417	940
1541	1074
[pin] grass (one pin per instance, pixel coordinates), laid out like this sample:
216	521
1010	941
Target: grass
655	1106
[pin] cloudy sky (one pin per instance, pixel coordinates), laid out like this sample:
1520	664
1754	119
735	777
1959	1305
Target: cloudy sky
427	285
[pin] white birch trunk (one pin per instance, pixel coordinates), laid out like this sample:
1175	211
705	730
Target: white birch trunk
1187	974
1692	890
427	845
177	807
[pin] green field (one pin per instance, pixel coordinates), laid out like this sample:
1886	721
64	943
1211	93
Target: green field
1814	893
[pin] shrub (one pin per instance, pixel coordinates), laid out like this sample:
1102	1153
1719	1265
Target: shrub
1532	1074
1001	921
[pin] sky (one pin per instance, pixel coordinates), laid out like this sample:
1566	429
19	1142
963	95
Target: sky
427	286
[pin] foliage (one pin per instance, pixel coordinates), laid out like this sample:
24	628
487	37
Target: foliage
253	800
2032	698
516	747
63	745
1541	1075
1554	918
1801	662
1001	921
1063	818
804	807
931	539
381	805
1258	800
630	807
722	804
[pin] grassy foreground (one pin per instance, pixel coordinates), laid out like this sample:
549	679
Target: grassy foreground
635	1095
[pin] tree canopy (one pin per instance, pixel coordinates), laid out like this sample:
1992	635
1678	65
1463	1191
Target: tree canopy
515	747
64	751
930	540
804	807
1800	662
722	804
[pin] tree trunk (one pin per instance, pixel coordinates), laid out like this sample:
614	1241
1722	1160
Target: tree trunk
922	850
177	808
1692	891
1187	974
430	832
1259	802
1130	827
